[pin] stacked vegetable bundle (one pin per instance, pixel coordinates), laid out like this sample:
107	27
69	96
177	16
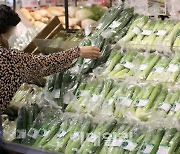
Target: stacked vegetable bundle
151	67
107	97
71	134
26	94
115	21
152	35
117	100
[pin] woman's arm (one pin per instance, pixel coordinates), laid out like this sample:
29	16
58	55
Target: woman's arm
36	66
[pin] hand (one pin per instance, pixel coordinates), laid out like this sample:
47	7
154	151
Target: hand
89	52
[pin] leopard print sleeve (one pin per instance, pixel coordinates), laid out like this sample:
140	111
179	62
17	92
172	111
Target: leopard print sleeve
37	66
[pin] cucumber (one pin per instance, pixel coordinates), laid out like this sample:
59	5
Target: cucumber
21	125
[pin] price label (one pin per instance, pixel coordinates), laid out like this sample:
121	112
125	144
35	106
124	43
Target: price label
159	69
136	30
93	137
97	2
21	134
146	148
125	101
61	133
75	136
163	150
129	145
47	2
146	32
173	68
33	133
29	3
165	106
143	67
141	102
176	107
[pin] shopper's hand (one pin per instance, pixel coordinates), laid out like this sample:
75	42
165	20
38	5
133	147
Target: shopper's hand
89	52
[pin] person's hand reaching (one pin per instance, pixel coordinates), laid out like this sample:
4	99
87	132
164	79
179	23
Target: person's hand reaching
89	52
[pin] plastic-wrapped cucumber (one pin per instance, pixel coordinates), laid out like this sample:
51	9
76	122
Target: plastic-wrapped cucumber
151	142
33	133
104	54
112	140
169	142
78	137
88	65
95	138
63	130
21	125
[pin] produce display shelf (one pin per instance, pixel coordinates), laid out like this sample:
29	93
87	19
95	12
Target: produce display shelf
46	33
14	148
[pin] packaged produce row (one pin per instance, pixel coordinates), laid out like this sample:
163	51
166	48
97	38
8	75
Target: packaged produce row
126	101
72	133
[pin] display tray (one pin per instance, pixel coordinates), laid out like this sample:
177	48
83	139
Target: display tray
14	148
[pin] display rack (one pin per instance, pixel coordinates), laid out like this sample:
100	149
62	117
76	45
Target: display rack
46	33
13	148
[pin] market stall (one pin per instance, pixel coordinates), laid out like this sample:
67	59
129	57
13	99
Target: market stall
125	102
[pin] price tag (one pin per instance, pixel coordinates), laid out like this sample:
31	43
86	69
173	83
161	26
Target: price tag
141	102
128	65
163	150
117	66
33	133
143	67
84	93
173	68
117	142
45	2
165	106
146	148
110	101
20	133
29	3
97	2
61	133
146	32
115	24
160	32
176	107
93	137
75	136
129	145
57	94
43	132
125	101
95	98
136	30
159	69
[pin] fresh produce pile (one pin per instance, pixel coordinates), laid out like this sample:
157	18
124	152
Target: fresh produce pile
118	28
153	35
27	93
150	67
79	17
110	98
9	128
127	100
76	134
